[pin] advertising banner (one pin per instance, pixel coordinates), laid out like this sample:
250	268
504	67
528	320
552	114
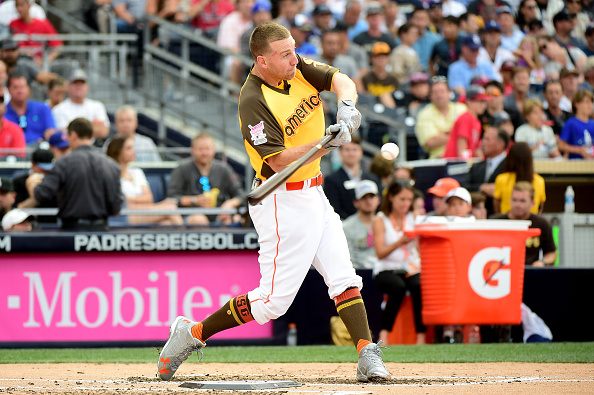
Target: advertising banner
113	296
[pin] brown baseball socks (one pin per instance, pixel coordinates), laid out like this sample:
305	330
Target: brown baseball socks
235	312
351	310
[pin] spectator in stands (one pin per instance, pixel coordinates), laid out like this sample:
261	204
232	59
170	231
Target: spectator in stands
12	137
28	25
349	48
446	51
570	80
42	161
518	166
135	186
58	144
435	120
130	15
503	121
3	81
528	55
126	123
589	48
464	140
427	39
479	211
403	59
322	20
203	181
33	117
375	20
260	14
358	227
495	91
382	168
492	52
558	57
539	137
415	97
56	92
85	182
435	16
439	192
352	18
481	176
461	72
575	140
526	13
553	93
7	195
17	220
589	74
8	12
208	15
78	105
378	81
459	203
540	250
418	205
579	19
398	266
229	35
340	186
506	71
331	45
405	174
469	23
22	64
300	30
510	34
536	28
563	23
514	103
287	10
453	8
485	9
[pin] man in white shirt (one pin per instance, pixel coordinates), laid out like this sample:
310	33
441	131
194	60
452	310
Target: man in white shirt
126	122
77	105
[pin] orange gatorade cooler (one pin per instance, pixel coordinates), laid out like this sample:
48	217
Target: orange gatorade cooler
473	272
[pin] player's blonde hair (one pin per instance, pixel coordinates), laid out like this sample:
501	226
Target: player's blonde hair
263	35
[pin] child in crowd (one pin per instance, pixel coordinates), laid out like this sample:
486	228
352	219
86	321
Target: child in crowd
539	137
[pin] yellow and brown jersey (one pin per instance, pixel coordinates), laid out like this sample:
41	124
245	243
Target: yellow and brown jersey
273	119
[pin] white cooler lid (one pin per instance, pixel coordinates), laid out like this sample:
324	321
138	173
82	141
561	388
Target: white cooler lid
456	223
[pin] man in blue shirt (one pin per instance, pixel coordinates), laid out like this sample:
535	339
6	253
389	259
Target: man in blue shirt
35	118
461	72
427	39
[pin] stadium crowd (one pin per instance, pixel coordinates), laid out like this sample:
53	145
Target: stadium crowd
491	81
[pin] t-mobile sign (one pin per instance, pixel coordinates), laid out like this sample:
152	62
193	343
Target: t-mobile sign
120	296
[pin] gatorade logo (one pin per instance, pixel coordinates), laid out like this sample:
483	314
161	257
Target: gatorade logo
489	272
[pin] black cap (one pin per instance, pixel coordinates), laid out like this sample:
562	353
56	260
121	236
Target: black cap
6	184
322	9
9	43
43	158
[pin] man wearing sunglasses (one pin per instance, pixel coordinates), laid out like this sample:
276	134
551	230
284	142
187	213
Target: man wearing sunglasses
203	181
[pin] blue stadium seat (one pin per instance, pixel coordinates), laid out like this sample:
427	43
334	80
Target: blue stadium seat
156	184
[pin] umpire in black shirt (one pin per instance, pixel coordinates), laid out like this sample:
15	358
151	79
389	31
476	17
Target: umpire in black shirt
86	182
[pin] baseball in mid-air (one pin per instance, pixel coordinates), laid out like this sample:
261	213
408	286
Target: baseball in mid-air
390	151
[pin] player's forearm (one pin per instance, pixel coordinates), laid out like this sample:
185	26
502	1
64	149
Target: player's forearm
284	158
344	87
549	258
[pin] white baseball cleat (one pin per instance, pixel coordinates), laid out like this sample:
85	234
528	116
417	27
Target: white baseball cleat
179	347
370	366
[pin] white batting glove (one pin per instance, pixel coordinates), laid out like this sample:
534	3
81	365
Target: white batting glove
342	137
349	114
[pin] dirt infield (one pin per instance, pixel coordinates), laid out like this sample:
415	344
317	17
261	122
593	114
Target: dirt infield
316	378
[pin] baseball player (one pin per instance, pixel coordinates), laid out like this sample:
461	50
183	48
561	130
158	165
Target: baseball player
281	118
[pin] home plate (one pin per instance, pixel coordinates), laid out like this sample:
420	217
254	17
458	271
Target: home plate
240	384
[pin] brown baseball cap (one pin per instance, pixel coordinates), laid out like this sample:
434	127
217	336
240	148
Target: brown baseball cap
443	186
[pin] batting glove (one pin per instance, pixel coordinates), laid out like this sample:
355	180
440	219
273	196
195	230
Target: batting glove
342	137
349	114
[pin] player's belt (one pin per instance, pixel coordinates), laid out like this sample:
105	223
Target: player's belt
312	182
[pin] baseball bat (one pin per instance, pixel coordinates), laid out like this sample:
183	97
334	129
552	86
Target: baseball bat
256	196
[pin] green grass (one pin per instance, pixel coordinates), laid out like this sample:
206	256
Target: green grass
439	353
